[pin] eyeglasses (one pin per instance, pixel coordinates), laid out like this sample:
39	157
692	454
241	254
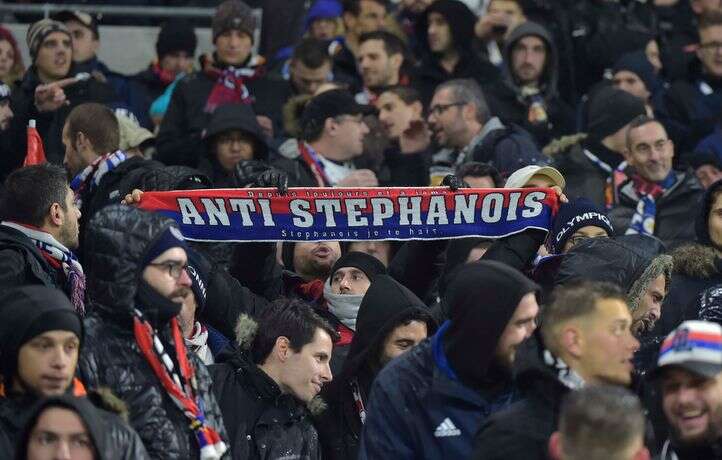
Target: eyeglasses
437	110
711	46
174	268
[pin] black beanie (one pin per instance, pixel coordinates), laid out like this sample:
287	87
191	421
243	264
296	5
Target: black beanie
481	298
368	264
287	249
578	213
27	312
610	109
199	271
176	35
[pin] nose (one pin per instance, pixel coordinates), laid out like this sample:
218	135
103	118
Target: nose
633	343
364	128
63	451
326	375
185	279
686	394
530	329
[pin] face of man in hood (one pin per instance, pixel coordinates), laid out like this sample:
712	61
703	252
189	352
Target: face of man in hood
630	82
519	328
305	372
402	339
59	433
439	34
232	147
46	363
528	59
603	344
693	405
650	307
707	175
350	281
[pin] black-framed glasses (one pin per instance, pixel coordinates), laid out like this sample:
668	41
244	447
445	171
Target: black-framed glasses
174	268
438	109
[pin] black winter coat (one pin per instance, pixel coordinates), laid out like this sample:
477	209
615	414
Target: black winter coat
119	442
49	124
522	431
110	356
21	262
263	423
676	210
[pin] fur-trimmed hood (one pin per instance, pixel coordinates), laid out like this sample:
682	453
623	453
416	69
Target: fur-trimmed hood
697	261
563	144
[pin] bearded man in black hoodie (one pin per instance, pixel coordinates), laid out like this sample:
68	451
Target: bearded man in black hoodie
586	339
391	321
430	401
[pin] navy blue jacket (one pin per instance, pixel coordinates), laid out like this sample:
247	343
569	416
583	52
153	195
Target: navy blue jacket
419	409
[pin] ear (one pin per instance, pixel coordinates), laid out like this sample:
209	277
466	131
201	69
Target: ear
555	446
571	341
82	143
349	20
329	126
469	111
282	348
698	52
396	60
418	109
56	216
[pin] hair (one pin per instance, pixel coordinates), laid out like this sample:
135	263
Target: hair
312	53
98	123
412	314
638	122
469	91
406	93
354	6
18	68
478	169
710	19
290	318
29	192
573	301
600	422
392	43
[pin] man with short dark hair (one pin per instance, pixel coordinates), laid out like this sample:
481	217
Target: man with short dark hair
460	121
585	339
479	175
528	94
309	67
134	346
359	17
333	131
281	364
429	402
39	232
391	321
689	373
600	422
380	59
41	336
654	199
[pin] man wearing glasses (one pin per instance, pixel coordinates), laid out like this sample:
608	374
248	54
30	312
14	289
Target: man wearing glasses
655	199
460	122
135	346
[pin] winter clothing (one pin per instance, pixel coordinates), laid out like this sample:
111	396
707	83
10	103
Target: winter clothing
39	31
538	109
522	431
176	36
637	63
370	265
675	210
572	216
233	15
430	74
439	393
262	421
610	110
116	243
385	306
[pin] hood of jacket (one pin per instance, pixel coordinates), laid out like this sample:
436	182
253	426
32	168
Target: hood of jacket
385	304
237	117
481	298
631	262
701	223
697	261
116	242
461	22
173	178
550	75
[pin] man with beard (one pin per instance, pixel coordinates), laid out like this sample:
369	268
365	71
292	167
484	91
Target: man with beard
461	122
585	340
429	402
39	232
139	281
280	365
380	59
689	372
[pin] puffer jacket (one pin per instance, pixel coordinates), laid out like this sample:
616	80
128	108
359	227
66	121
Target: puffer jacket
119	441
263	422
116	244
21	262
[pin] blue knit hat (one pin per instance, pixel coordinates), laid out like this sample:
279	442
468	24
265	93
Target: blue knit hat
578	213
323	9
171	238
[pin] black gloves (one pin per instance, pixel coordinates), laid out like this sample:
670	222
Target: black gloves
258	174
453	182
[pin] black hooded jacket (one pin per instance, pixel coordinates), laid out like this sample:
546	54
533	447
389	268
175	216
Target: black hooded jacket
507	100
263	423
116	244
522	431
461	22
386	305
21	262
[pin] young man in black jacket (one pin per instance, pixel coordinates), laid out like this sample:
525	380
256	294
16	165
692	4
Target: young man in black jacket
280	365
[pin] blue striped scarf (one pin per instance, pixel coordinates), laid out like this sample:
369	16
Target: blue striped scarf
89	178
